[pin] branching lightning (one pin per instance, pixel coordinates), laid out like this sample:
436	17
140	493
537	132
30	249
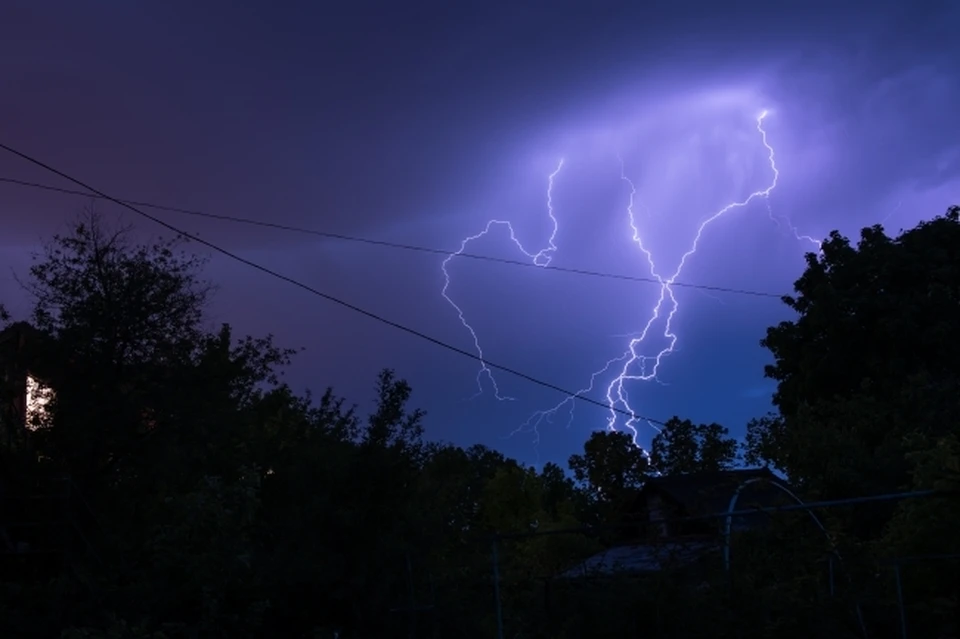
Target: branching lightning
635	365
785	224
541	258
641	360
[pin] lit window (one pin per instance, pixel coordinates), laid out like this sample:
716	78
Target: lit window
38	397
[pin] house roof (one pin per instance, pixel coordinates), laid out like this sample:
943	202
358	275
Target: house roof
18	343
707	493
641	558
16	336
17	329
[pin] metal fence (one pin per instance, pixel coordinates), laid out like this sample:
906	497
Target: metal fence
782	570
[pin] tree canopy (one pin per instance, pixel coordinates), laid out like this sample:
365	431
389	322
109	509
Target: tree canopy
684	447
868	363
208	499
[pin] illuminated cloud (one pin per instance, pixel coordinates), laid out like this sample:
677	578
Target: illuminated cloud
697	168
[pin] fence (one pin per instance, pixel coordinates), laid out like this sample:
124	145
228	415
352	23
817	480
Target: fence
743	572
44	527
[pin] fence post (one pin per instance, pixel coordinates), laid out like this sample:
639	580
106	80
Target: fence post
830	567
496	588
412	598
903	612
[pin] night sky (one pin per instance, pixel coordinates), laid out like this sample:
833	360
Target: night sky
418	122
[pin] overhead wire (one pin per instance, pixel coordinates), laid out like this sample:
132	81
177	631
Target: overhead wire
385	243
326	296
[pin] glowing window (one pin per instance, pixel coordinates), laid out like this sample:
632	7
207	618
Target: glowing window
38	397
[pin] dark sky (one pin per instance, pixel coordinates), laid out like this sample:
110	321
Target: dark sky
418	122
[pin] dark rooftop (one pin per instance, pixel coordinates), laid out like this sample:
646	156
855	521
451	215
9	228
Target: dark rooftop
641	558
708	493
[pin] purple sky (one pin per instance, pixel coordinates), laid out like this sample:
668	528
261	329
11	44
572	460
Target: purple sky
419	122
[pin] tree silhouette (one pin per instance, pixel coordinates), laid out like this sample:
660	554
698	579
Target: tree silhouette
684	447
226	505
869	359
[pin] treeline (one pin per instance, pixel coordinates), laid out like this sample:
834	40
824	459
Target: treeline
224	505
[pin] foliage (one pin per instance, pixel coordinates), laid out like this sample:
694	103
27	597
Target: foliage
129	304
611	465
213	501
872	337
868	401
684	447
922	534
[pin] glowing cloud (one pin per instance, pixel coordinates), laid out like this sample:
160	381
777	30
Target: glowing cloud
646	350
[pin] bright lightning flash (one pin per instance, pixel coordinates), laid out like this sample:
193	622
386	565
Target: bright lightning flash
639	362
541	258
635	366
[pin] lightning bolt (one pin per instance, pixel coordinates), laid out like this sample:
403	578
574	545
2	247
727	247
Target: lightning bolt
785	224
809	238
541	258
638	363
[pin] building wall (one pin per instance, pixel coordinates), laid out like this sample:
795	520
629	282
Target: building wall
658	514
13	409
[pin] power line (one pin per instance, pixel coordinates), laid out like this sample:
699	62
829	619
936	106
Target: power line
396	245
326	296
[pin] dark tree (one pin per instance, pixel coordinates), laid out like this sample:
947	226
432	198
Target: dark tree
131	360
873	315
871	358
611	472
684	447
610	464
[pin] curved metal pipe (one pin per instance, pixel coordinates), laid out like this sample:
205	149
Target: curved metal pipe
728	526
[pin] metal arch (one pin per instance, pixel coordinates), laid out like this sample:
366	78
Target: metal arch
728	523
